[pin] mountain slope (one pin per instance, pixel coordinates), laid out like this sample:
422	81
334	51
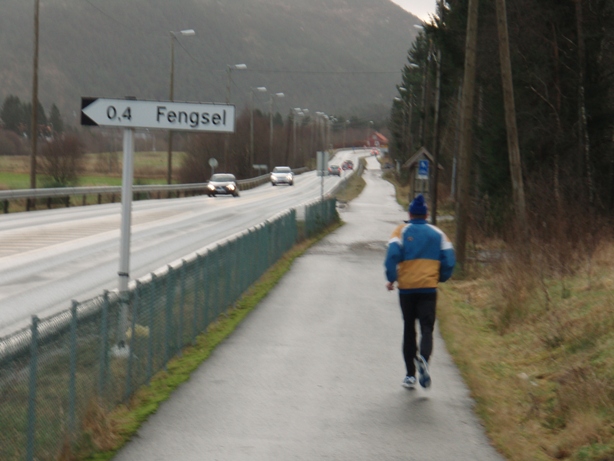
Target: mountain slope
335	56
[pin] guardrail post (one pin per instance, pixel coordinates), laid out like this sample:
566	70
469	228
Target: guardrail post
5	206
72	378
32	389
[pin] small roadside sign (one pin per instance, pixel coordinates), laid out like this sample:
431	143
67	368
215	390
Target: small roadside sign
176	116
423	169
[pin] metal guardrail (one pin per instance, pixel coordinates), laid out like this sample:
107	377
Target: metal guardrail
150	190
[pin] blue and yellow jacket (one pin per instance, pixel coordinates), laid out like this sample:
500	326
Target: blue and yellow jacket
419	256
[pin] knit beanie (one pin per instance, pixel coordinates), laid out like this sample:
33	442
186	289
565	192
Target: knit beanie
418	206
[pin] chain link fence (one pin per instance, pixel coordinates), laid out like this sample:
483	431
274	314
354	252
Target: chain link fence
55	375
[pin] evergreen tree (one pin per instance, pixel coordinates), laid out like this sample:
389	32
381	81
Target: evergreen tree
13	115
55	119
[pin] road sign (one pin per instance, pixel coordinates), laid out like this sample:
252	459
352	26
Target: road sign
423	169
179	116
212	162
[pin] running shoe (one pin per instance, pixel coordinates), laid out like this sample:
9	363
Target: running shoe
424	377
409	382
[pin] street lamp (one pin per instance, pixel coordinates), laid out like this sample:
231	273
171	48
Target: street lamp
297	113
229	70
273	95
369	133
173	36
261	89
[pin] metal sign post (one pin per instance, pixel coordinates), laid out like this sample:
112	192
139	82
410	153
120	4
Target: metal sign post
126	221
213	164
130	114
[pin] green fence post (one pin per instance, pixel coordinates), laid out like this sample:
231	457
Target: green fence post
150	337
72	377
168	317
197	284
32	390
181	302
207	291
229	273
104	338
130	344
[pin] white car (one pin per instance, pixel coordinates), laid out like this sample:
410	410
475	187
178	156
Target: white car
282	175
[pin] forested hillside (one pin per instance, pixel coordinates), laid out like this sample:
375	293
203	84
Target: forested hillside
332	55
562	57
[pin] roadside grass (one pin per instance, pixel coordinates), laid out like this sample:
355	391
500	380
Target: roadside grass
104	433
537	351
353	187
104	169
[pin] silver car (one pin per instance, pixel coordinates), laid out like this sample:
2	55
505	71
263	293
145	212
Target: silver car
282	175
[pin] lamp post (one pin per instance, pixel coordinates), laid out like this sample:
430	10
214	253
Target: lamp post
273	95
369	133
261	89
345	129
229	70
173	36
296	113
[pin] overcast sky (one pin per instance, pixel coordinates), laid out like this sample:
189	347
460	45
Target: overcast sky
420	8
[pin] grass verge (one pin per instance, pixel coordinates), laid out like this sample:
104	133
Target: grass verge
537	352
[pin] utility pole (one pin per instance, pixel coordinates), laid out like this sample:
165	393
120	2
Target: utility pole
510	118
462	205
436	143
34	121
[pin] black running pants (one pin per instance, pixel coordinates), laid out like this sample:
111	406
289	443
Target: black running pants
421	307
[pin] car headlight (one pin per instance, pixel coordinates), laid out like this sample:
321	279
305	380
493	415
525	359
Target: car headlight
211	187
231	187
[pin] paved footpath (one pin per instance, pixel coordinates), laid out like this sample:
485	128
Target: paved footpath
315	371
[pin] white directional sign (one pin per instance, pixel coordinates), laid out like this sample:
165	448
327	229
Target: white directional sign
179	116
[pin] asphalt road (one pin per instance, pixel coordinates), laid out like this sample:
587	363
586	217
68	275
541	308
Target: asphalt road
50	257
314	373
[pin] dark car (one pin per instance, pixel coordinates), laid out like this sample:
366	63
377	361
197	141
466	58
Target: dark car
282	175
347	165
334	170
223	183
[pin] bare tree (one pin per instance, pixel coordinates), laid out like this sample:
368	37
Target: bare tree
61	160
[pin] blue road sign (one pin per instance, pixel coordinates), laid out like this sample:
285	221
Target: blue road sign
423	169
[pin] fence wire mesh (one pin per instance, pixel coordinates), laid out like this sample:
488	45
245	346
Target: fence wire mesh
58	373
